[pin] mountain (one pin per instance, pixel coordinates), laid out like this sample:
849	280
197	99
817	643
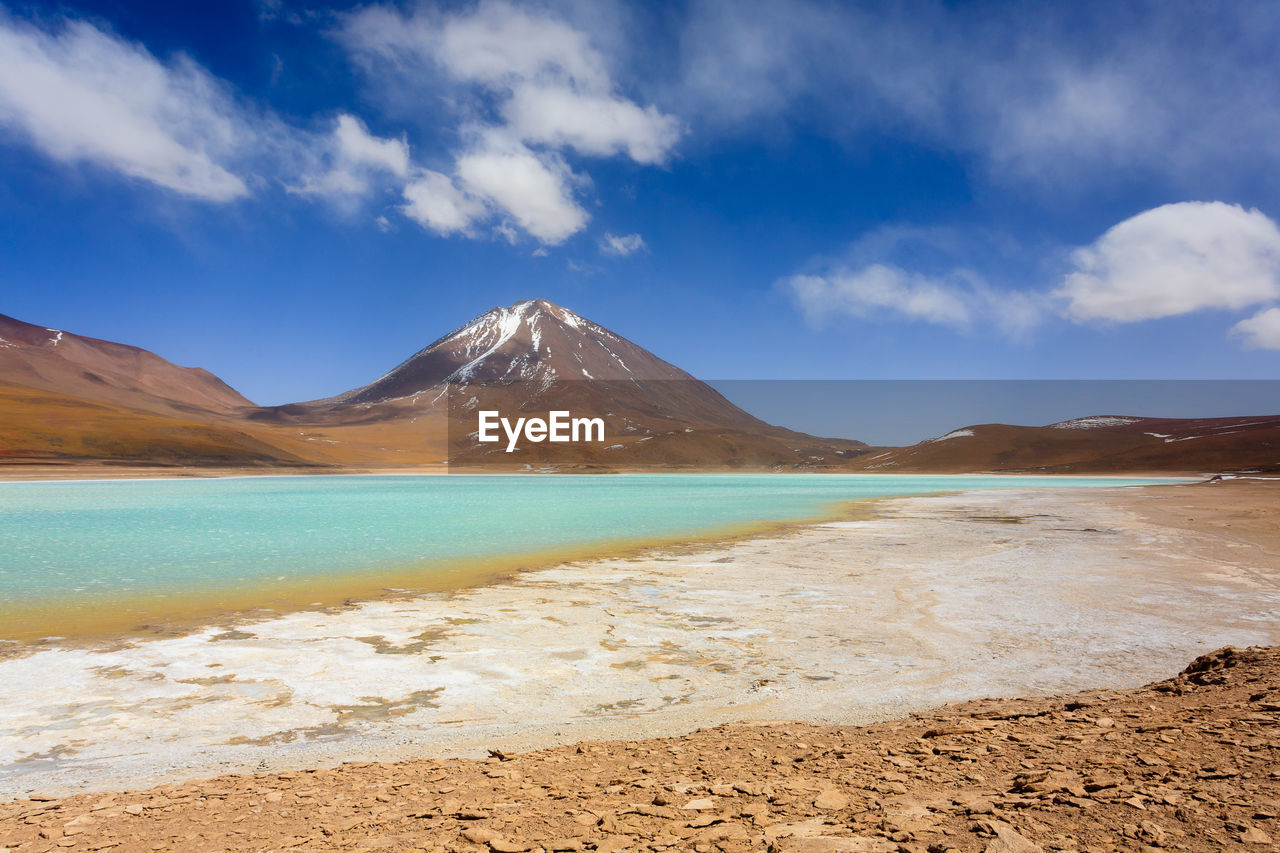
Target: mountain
533	357
103	371
39	427
68	399
1096	444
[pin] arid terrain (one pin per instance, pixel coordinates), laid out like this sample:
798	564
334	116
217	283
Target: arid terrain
1190	763
1021	594
74	406
1096	444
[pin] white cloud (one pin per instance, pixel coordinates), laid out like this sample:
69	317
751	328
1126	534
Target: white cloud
531	87
929	275
359	147
527	88
81	95
1176	259
1069	97
353	159
433	201
533	189
879	289
960	299
499	44
1261	331
622	244
595	124
1168	261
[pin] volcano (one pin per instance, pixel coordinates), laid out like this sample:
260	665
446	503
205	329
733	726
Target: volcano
534	357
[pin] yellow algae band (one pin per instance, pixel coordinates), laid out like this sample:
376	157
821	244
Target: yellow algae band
169	613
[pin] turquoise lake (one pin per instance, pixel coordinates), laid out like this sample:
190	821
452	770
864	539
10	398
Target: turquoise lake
77	542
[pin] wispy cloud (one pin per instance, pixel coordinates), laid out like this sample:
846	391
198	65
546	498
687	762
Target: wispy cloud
351	160
81	95
1063	98
622	245
960	299
929	275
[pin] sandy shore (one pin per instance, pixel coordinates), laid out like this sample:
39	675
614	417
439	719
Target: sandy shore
938	599
1187	764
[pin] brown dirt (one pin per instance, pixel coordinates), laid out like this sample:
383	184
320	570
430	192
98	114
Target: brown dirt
1235	519
1187	764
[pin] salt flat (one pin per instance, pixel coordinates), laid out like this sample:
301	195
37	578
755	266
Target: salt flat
937	599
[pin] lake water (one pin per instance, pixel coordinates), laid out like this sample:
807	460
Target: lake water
94	548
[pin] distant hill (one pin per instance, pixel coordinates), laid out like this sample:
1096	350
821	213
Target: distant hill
107	372
69	398
1096	444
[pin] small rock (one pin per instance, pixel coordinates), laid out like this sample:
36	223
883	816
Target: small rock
480	834
699	805
1009	840
503	845
834	844
831	800
1253	835
614	844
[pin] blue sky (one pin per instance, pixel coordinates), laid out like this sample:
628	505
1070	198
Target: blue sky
298	196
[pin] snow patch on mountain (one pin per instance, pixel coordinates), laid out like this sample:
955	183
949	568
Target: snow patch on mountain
1095	422
956	433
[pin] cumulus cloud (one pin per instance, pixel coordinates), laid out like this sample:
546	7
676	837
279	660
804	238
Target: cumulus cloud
353	159
81	95
359	147
1175	259
622	244
526	90
534	189
1171	260
595	124
435	202
539	90
1261	331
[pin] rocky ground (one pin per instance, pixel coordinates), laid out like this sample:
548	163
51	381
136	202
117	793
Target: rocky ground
1192	763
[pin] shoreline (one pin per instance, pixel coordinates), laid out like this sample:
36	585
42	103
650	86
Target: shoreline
164	613
76	473
1000	594
1184	763
332	594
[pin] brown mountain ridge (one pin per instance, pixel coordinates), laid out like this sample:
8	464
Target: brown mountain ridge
1098	444
70	399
